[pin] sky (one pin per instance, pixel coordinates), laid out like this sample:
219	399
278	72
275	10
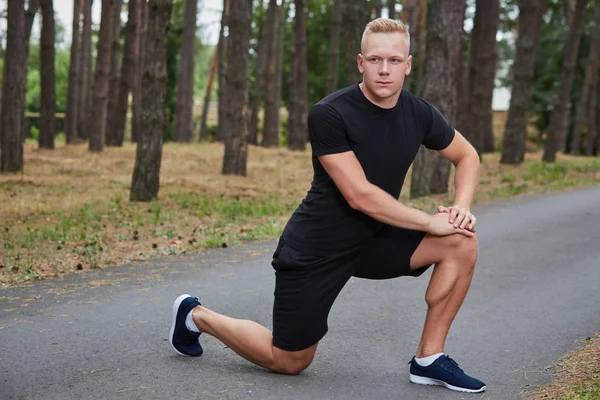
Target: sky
209	17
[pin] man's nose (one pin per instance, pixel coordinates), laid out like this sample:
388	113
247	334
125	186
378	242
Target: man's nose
384	68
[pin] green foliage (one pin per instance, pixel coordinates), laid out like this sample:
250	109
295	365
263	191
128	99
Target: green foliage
549	64
62	60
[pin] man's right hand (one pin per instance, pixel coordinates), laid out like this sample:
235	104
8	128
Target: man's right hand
440	226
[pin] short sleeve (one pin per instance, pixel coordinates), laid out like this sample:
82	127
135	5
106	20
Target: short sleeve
438	131
327	131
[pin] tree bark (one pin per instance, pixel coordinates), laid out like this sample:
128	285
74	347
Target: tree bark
13	90
591	116
97	122
410	17
261	68
115	77
136	90
590	70
238	47
209	87
298	134
146	173
482	72
334	47
444	37
531	14
378	8
85	69
355	18
74	76
392	9
557	130
33	6
274	79
128	67
224	126
47	77
184	124
421	55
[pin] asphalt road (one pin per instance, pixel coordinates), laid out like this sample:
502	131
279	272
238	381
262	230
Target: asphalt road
103	335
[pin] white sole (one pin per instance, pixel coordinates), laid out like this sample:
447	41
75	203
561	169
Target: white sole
175	309
421	380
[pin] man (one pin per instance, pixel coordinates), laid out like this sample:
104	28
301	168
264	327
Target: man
363	139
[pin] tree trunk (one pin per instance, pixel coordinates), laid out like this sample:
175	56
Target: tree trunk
146	173
13	90
392	9
421	55
334	47
355	18
378	7
136	89
261	68
298	133
444	37
591	115
128	67
531	14
74	76
410	17
47	77
224	126
274	78
291	106
209	87
238	47
557	130
482	72
184	124
85	61
32	9
115	77
97	122
590	70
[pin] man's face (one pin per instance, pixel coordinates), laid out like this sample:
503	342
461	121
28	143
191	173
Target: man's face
384	63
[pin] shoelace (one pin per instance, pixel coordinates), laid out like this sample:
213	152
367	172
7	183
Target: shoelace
450	365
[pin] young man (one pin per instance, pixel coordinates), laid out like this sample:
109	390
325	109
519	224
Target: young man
363	139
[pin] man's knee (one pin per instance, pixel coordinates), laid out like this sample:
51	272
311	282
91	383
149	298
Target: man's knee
294	362
463	248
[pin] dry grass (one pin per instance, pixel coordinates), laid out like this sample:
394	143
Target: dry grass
69	210
576	375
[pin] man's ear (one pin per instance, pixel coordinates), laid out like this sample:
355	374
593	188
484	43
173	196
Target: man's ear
360	60
409	65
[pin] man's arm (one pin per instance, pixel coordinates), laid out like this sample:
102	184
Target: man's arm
466	160
347	173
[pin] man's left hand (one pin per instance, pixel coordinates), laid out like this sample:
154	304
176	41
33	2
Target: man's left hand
460	217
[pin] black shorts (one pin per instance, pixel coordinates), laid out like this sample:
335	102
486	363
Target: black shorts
306	286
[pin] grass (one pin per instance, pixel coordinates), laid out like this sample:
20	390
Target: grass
70	211
577	375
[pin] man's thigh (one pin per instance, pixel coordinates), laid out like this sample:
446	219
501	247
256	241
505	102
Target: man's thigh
388	254
305	290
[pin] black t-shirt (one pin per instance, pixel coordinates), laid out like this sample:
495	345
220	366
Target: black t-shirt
385	141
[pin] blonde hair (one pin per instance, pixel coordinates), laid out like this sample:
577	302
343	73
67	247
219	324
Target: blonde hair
386	25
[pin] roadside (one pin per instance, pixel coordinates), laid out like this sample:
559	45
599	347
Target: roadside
577	375
69	211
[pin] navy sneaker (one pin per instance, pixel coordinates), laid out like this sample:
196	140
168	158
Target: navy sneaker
184	341
444	372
